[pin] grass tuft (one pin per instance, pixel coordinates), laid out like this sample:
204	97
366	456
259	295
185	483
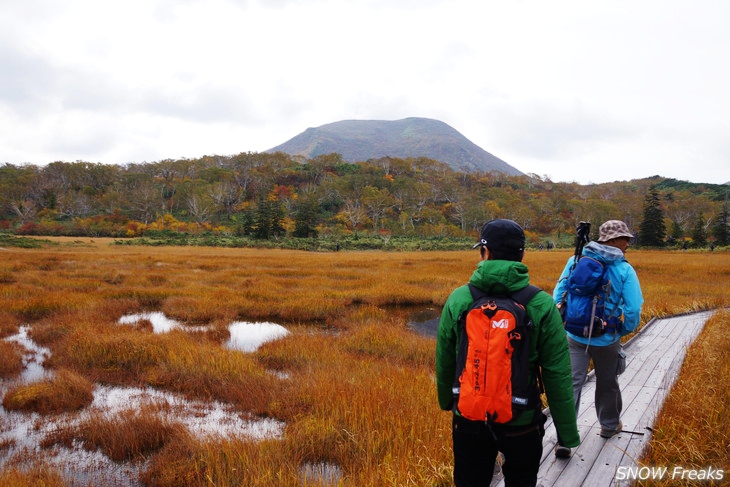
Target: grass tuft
11	360
66	391
127	435
37	475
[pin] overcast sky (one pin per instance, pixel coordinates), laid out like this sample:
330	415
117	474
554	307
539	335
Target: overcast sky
586	91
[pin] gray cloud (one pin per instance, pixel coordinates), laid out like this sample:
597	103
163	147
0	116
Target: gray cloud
544	130
550	88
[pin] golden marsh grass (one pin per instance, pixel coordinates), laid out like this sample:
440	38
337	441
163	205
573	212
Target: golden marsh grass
66	391
352	382
11	361
128	435
40	476
692	430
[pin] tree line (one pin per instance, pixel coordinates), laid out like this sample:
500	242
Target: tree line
265	196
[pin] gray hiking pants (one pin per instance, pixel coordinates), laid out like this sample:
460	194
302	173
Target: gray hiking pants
608	393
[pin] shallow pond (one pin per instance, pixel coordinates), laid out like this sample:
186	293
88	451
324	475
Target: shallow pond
21	434
24	432
425	321
244	336
248	337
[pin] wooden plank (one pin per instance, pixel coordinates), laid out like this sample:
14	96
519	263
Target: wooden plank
654	358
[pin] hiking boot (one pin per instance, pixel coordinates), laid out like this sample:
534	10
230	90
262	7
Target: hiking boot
562	451
609	433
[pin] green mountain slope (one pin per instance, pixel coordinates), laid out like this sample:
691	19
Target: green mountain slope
362	140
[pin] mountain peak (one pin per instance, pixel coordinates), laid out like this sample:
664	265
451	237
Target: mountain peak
362	140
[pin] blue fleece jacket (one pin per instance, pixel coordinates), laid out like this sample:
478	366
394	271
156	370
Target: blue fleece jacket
626	298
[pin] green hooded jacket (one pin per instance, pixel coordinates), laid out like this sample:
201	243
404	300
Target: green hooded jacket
548	344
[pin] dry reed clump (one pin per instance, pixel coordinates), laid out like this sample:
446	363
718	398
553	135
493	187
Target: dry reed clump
113	278
7	444
52	332
392	342
11	360
174	361
146	298
217	331
127	435
317	440
7	278
361	409
157	279
692	430
28	305
107	309
199	309
196	463
9	323
205	370
367	415
356	406
112	354
66	391
33	303
306	308
355	316
302	350
37	475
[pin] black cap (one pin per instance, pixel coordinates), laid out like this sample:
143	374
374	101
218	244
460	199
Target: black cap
501	235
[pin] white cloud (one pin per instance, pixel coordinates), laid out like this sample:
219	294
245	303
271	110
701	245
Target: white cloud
583	91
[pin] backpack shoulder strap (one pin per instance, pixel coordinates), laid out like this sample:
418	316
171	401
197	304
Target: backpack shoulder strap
476	293
524	295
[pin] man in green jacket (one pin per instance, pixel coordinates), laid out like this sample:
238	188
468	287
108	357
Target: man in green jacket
475	443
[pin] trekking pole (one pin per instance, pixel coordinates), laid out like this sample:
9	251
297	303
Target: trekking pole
582	237
590	325
634	432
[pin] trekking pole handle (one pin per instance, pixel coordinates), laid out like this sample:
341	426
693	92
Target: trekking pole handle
582	237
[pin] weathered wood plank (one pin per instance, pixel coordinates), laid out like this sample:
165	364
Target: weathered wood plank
654	358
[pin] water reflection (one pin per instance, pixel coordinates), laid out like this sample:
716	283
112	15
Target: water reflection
160	322
248	337
202	418
425	321
33	357
244	336
322	474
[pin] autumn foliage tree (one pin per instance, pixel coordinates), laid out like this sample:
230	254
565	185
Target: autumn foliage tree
721	228
271	196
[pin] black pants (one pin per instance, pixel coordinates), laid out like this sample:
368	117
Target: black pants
476	447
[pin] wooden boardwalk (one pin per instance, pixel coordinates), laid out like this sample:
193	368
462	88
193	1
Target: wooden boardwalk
654	358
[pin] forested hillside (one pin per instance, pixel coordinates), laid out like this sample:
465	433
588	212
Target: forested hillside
269	197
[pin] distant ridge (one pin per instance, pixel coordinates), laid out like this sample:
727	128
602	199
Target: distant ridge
362	140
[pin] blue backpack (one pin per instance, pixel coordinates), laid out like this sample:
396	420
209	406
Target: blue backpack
584	302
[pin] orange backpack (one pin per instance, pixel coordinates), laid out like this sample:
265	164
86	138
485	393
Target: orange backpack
493	379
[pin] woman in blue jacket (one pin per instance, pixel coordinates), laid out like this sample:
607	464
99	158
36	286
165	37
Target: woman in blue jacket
625	301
